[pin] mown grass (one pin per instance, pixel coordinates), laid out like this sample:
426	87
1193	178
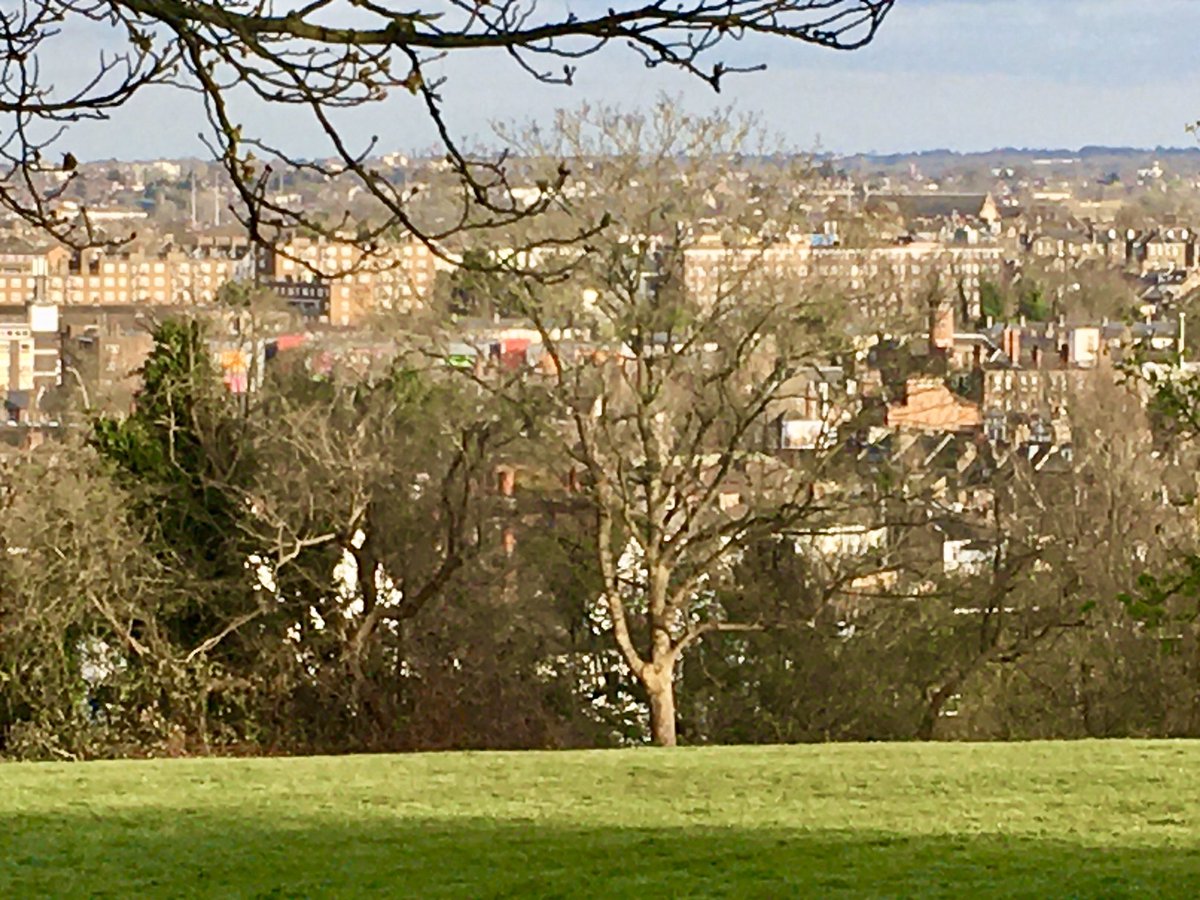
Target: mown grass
1019	820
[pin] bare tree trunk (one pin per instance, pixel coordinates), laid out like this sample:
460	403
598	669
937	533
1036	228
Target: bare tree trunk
935	701
660	686
659	675
662	716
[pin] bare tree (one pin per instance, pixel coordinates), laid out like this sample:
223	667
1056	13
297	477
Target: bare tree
665	411
322	57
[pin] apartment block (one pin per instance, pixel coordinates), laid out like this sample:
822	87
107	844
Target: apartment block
352	283
881	278
98	277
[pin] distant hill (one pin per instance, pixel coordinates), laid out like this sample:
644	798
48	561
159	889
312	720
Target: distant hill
1082	160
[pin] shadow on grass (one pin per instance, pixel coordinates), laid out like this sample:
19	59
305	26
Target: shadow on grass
190	853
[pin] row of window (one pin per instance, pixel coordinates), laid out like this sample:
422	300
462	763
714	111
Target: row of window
158	267
1007	380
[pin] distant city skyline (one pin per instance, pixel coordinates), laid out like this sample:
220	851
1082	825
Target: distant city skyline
964	76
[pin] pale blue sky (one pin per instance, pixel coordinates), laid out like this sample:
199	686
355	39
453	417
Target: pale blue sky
964	74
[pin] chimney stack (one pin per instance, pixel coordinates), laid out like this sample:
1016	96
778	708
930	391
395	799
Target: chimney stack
1011	344
941	327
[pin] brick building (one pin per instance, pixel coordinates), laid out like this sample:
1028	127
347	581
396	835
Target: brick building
351	284
173	276
884	279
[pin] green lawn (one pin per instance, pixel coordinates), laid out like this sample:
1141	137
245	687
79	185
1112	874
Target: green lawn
1035	820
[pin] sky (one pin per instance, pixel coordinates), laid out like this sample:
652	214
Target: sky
958	74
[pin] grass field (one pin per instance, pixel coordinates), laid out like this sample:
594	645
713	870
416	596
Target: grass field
1036	820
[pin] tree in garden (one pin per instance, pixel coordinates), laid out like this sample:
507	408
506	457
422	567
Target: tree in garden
1033	303
323	58
1081	290
991	301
